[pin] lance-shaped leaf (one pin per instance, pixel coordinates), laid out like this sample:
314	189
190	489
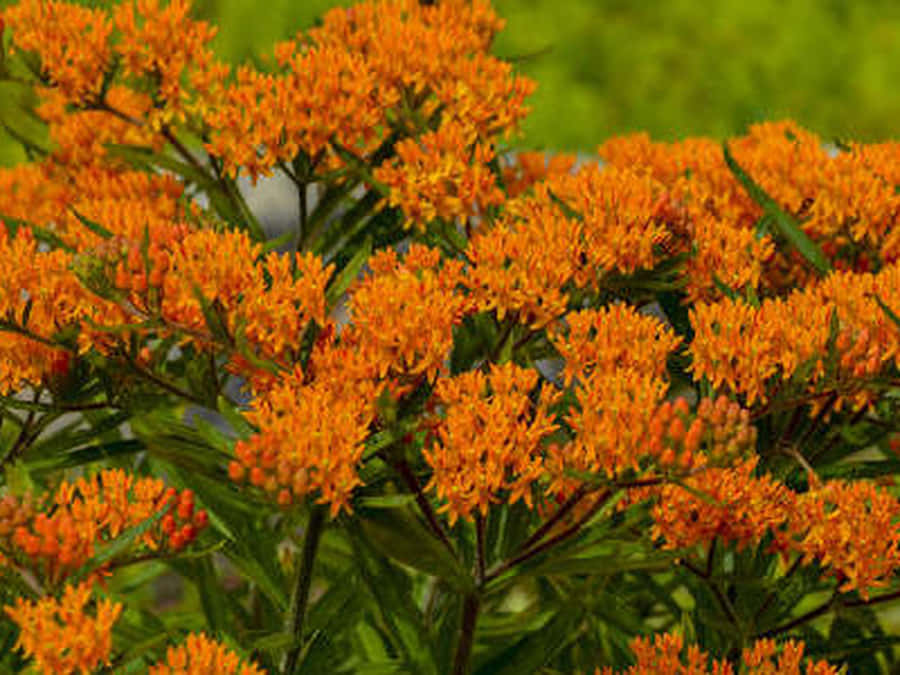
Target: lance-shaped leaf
94	227
783	222
535	649
399	535
348	275
118	546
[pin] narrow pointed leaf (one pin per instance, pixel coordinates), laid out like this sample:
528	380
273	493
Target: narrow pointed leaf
786	224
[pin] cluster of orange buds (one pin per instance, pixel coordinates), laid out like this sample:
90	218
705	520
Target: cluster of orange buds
200	655
62	533
139	267
60	635
722	430
666	654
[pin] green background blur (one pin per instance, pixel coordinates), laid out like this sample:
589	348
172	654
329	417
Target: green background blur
674	68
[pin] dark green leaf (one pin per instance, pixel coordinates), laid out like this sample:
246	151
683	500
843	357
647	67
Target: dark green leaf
786	225
398	534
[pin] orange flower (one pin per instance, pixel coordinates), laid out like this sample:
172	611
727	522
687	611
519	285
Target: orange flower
403	313
433	56
200	655
146	49
527	168
61	536
326	94
852	529
613	338
441	174
521	266
740	508
60	635
72	42
665	654
745	347
489	439
312	429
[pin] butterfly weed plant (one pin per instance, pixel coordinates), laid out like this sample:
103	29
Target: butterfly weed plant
502	413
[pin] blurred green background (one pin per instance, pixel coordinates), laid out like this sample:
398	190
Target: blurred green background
674	68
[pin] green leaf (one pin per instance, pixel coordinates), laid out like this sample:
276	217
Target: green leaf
348	275
212	317
98	452
887	310
96	228
272	244
386	501
13	225
399	535
119	545
605	565
391	589
786	224
535	649
233	416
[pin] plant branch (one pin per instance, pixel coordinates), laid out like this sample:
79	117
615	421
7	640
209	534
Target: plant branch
300	596
479	549
471	605
536	550
409	477
551	522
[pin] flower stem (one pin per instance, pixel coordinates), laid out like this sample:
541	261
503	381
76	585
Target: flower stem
471	604
300	597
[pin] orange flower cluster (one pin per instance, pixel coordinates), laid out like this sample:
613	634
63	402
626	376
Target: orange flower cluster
95	64
739	508
526	169
313	428
61	536
38	298
434	57
665	654
489	438
146	49
746	347
200	655
379	64
260	297
539	249
852	529
404	312
326	94
612	338
266	300
71	40
617	359
845	201
441	174
61	636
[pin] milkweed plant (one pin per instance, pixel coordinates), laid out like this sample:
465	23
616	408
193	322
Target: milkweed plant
477	411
